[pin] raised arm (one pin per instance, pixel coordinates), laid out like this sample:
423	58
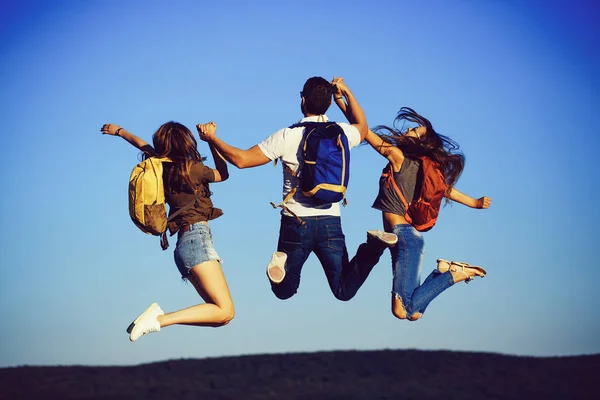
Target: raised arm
351	109
221	171
482	202
116	130
252	157
389	151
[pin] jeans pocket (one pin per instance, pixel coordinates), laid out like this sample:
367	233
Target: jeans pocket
292	233
335	237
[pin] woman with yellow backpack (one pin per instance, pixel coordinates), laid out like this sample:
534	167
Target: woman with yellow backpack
186	191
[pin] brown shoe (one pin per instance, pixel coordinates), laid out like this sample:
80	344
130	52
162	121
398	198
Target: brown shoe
468	270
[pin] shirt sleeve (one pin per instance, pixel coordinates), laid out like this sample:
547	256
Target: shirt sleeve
352	134
201	173
274	145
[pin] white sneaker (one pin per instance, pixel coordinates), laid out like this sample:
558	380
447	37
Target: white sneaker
147	322
388	238
276	268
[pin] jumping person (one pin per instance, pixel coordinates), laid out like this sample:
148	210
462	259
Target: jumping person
402	147
321	229
195	256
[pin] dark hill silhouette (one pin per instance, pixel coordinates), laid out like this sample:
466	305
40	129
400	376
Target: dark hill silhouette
385	374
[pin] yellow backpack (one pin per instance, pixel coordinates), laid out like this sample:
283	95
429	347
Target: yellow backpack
147	207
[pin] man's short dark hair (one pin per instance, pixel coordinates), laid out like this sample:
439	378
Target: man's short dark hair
317	93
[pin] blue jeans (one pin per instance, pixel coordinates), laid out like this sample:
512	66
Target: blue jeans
407	256
323	235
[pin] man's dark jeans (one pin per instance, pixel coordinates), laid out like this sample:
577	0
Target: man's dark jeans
323	235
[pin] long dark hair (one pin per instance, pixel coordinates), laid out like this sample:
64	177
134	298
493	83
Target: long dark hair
175	141
439	148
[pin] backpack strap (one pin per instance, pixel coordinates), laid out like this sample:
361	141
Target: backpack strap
164	241
282	205
293	173
296	125
390	181
289	196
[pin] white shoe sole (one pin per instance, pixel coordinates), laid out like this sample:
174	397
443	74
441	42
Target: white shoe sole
276	268
387	238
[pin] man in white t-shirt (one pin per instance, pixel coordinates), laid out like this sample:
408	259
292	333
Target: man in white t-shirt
320	231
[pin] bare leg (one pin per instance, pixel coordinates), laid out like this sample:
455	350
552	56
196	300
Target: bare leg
415	316
397	307
400	312
210	283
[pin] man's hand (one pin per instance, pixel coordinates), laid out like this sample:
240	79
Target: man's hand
483	202
207	132
110	129
337	91
339	86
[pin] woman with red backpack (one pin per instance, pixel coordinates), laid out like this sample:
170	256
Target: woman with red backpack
420	161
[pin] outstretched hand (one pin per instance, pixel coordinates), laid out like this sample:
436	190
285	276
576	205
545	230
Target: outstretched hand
207	132
484	202
110	129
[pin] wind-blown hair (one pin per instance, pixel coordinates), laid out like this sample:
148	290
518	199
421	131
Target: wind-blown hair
175	141
439	148
317	94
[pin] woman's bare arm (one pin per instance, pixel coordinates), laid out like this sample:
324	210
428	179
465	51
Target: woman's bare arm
482	202
389	151
116	130
221	171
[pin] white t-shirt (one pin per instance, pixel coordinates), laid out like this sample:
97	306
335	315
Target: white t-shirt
285	145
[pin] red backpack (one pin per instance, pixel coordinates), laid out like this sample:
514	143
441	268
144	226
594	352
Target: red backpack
422	212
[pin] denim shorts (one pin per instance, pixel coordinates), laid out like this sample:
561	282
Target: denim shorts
194	247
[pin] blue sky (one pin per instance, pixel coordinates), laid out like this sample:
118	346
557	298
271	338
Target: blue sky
514	82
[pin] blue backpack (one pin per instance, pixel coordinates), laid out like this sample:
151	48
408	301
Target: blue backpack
325	170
